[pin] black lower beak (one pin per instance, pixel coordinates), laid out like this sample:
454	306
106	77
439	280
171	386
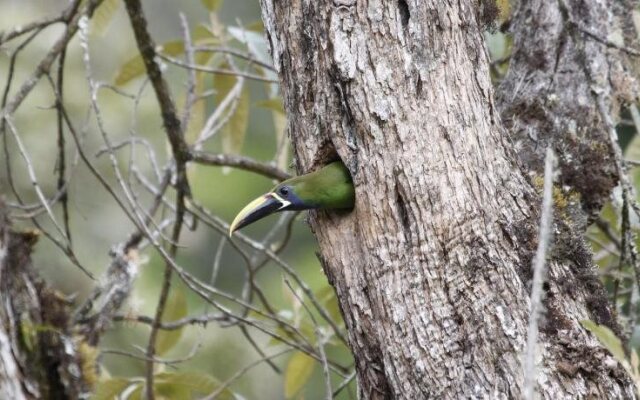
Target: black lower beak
257	209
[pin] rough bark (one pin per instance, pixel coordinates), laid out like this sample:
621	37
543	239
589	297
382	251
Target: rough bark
431	267
40	355
563	52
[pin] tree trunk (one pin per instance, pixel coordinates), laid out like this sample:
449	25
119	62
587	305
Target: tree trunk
433	265
41	357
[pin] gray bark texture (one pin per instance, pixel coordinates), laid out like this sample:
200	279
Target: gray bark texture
560	58
41	357
432	267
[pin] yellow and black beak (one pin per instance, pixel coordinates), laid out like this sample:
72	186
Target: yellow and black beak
259	208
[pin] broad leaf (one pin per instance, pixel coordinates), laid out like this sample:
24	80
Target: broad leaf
134	67
505	10
607	338
103	15
327	296
203	36
175	309
233	132
297	374
274	104
171	391
212	5
137	393
111	388
256	26
194	382
255	42
280	126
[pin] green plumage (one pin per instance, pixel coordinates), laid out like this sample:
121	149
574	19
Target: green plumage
328	187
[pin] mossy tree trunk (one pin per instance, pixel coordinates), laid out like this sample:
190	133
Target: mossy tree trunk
432	267
41	355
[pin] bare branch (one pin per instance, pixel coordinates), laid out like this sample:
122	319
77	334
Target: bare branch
539	276
147	48
241	162
217	71
45	65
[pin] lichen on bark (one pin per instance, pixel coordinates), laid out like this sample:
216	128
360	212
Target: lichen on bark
431	267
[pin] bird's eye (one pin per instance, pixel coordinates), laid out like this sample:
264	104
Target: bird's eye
284	190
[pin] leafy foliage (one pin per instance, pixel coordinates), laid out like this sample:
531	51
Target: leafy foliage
175	309
299	370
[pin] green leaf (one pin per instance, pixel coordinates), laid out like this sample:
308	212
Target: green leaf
111	388
274	104
233	132
255	42
175	309
163	391
194	382
607	338
103	15
297	374
256	26
134	67
327	296
136	394
171	391
280	126
202	35
505	10
212	5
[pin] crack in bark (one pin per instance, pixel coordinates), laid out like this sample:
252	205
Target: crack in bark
460	181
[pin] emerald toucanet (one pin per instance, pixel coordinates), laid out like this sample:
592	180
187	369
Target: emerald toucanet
329	188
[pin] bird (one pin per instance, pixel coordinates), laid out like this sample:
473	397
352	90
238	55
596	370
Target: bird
330	187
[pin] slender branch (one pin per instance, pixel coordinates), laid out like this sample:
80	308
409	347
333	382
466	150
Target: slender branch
344	383
539	273
191	82
217	71
35	25
240	162
170	119
62	159
320	338
243	371
164	293
235	53
45	65
173	325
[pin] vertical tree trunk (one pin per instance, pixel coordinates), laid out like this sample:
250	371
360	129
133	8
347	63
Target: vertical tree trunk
560	58
40	355
432	266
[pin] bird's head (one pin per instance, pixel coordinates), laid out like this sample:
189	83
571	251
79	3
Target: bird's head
329	187
283	197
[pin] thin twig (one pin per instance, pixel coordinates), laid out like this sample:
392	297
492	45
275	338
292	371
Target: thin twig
321	339
45	65
173	325
170	119
62	159
216	71
240	162
224	385
191	82
344	383
539	276
235	53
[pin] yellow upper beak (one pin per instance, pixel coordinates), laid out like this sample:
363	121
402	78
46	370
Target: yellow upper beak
259	208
